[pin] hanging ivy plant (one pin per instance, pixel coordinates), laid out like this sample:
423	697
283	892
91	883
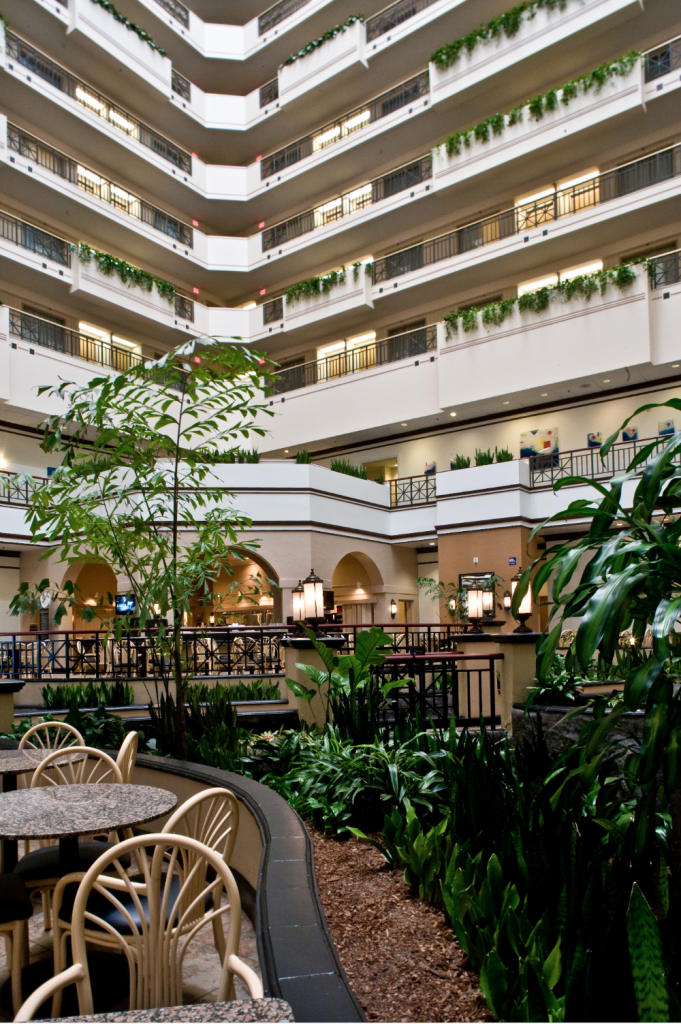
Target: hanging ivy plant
541	104
494	313
321	285
316	43
144	35
506	24
129	275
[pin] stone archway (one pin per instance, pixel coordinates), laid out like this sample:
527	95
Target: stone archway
355	582
224	604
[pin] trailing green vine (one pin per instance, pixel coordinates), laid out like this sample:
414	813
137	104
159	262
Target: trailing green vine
507	24
128	274
313	286
5	24
142	33
541	104
316	43
494	313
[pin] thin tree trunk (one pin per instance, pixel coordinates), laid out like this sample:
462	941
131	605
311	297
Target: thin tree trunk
180	718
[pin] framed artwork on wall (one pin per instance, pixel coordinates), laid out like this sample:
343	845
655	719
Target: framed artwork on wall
630	433
665	427
431	468
594	440
538	442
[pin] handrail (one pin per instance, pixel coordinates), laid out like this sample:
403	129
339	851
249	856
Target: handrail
412	490
349	123
378	353
94	101
357	198
277	13
35	239
269	92
95	184
178	10
48	334
665	269
393	15
660	60
587	462
13	493
620	181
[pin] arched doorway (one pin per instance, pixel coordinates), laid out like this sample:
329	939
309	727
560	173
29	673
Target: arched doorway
355	582
96	587
232	597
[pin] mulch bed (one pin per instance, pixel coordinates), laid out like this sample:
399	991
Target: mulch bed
398	953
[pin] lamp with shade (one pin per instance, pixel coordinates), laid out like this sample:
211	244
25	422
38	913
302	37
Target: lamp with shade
298	602
476	608
525	609
313	597
393	608
507	601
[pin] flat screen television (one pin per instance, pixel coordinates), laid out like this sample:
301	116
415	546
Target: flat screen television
125	604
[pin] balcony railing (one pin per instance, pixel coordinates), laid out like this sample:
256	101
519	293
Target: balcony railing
56	75
663	60
269	93
35	239
184	308
47	334
275	14
412	490
178	10
18	492
348	124
665	269
181	85
392	16
390	350
620	181
335	209
587	462
273	311
89	181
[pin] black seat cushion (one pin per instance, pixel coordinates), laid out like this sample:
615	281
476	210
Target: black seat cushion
44	862
102	907
15	903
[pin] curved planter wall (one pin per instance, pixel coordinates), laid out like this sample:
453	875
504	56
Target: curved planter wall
273	855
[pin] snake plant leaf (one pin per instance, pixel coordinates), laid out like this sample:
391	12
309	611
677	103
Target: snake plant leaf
494	983
647	966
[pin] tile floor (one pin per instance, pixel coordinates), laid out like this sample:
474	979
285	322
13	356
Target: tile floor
109	977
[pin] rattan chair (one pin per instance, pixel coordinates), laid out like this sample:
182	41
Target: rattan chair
15	910
127	755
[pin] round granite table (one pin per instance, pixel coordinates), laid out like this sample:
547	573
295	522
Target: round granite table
66	812
240	1011
19	762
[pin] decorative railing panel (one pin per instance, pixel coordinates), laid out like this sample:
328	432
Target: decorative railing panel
35	240
184	308
393	16
47	334
389	350
620	181
181	85
665	269
661	61
412	490
178	10
90	181
15	489
587	462
273	311
277	13
269	93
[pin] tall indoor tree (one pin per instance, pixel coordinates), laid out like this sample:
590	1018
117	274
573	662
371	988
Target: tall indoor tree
139	488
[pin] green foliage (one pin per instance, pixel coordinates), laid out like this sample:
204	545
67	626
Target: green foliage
90	695
132	276
241	455
316	43
539	105
257	689
460	462
647	961
450	593
344	466
142	33
303	457
585	285
483	458
313	286
503	454
98	728
505	25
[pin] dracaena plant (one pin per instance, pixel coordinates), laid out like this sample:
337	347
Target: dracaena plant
632	581
142	487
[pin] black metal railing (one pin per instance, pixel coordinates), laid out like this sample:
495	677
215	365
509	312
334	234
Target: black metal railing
373	192
406	637
393	16
389	350
47	334
348	124
181	85
47	69
35	239
16	489
665	269
273	310
269	92
89	181
438	688
184	308
587	462
563	203
277	13
663	60
178	10
412	490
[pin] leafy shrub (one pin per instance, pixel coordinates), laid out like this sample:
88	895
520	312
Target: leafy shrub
90	695
460	462
258	689
503	454
483	458
242	455
344	466
303	457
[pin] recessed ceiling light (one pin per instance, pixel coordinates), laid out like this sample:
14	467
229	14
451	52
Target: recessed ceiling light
606	380
544	394
675	366
452	414
432	543
504	403
405	424
285	451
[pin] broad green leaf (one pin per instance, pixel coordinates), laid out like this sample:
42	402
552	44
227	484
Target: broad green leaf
647	964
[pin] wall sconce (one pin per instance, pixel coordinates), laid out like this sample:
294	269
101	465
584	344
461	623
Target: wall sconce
525	609
451	605
476	608
507	601
393	608
211	619
298	602
313	597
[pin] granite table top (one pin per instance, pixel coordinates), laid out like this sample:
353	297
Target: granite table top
18	762
55	812
239	1011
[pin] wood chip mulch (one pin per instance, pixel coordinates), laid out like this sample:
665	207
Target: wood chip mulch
399	955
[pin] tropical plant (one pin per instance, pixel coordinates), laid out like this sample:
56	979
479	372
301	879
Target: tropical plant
303	457
256	690
89	695
241	455
345	466
128	274
137	489
483	458
313	286
503	454
455	597
460	462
